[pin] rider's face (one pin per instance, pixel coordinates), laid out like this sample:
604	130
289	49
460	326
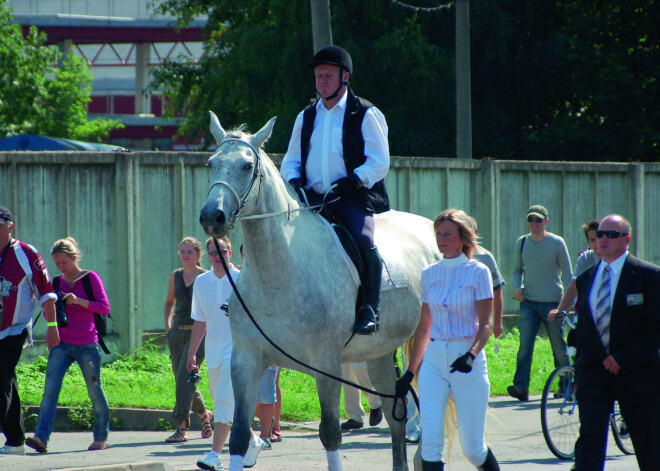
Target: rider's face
327	79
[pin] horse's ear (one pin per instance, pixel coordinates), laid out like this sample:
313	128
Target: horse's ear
216	128
260	138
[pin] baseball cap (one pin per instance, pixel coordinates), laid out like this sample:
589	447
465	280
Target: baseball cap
538	210
5	214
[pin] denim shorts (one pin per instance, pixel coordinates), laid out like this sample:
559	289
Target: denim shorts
267	390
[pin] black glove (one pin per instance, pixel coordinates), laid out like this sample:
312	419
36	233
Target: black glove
403	384
297	185
463	363
347	186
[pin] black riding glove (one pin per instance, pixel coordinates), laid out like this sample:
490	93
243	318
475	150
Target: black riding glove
463	363
403	383
347	186
297	185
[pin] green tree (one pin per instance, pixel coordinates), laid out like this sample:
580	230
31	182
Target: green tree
37	96
255	68
569	80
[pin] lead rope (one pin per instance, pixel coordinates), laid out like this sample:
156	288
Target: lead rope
279	349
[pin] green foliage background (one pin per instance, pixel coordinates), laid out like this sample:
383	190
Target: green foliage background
37	96
569	80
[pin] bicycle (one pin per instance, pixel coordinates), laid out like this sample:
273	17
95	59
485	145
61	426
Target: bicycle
560	420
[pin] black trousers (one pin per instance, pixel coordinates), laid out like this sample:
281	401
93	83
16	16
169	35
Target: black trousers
11	415
640	408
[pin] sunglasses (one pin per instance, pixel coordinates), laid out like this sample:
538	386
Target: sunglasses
534	219
610	234
4	221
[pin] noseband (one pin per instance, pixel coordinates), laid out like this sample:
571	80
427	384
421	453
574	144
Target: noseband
256	172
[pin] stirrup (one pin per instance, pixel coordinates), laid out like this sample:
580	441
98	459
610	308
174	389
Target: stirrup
367	322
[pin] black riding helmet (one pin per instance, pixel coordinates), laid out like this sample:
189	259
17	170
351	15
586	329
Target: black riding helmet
333	55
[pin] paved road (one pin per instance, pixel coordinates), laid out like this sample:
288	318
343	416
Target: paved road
514	434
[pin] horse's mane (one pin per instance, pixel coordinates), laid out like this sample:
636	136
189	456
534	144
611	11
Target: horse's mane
239	132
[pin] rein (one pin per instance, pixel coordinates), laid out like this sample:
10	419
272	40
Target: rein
289	356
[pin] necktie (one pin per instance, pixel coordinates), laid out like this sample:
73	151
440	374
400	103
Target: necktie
603	308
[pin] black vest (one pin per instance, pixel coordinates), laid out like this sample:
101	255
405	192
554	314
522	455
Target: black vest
374	199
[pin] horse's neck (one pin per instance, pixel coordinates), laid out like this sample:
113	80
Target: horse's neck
276	242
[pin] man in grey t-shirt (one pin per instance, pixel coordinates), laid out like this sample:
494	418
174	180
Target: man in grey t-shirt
541	272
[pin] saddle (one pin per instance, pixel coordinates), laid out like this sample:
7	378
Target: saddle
395	272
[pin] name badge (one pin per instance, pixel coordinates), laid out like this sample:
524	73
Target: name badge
635	299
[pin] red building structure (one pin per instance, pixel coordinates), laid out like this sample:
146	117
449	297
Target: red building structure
120	41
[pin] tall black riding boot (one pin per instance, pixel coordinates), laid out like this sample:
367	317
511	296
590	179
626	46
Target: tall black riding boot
432	465
490	464
367	318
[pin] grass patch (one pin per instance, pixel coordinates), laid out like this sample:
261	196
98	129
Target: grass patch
145	380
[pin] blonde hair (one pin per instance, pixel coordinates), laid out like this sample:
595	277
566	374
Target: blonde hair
225	239
197	245
465	230
67	246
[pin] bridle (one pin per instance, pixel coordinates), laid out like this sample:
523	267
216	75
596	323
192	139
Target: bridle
256	173
242	200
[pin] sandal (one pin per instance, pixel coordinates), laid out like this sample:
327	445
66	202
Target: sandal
207	430
177	437
276	436
98	445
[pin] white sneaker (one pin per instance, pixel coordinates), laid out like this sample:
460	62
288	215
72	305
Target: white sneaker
12	450
211	462
252	452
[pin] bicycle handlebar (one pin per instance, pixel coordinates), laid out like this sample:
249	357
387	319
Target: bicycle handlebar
565	317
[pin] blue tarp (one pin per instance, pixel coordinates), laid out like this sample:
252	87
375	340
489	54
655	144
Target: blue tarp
31	142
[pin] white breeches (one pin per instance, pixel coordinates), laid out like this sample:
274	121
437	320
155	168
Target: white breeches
471	392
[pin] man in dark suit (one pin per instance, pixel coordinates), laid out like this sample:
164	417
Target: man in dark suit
618	337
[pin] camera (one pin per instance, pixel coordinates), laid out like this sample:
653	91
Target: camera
60	311
194	377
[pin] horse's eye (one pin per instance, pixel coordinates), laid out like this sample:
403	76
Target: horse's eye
248	166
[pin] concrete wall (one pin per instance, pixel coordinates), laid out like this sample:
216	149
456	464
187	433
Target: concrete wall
128	211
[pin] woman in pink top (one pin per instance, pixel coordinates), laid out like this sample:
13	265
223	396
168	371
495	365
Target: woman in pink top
78	342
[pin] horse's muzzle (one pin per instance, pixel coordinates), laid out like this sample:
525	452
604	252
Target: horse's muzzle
213	221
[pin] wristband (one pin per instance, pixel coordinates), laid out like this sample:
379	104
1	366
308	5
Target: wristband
51	324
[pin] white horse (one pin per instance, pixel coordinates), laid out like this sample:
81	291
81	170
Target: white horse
300	290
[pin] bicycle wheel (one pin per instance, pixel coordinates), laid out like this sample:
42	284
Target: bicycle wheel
559	413
620	432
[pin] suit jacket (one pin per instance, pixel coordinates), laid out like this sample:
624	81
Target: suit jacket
634	332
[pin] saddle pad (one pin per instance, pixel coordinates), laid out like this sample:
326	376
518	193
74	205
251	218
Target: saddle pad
395	274
395	271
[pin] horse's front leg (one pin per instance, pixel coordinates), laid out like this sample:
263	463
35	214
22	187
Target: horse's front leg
383	377
245	374
329	392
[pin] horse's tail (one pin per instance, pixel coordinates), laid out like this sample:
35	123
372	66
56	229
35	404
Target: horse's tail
450	416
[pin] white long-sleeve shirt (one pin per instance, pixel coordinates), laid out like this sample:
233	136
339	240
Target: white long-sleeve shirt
325	162
451	288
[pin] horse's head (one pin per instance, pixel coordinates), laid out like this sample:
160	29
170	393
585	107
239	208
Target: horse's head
235	171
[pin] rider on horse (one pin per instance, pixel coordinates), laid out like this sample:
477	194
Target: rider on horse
339	145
